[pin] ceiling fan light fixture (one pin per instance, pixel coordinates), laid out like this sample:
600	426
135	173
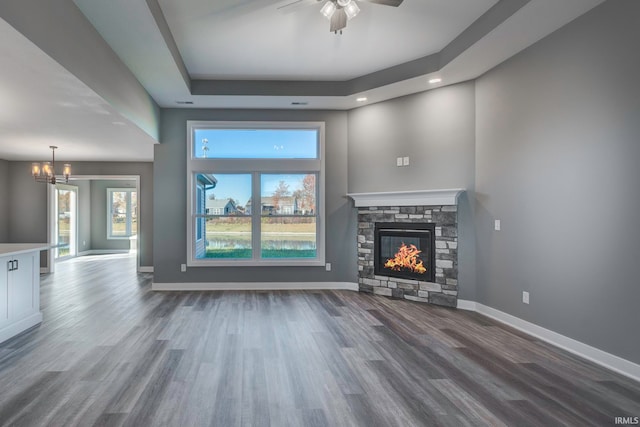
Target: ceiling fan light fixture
351	9
343	3
328	9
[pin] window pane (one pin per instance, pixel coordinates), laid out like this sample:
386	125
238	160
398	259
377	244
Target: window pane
134	213
227	237
224	194
256	143
119	213
288	237
64	221
288	194
199	209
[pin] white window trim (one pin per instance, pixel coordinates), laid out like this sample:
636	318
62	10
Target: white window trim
204	232
129	234
253	166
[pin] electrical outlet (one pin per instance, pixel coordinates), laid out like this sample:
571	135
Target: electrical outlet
405	161
399	161
525	297
327	266
183	268
497	225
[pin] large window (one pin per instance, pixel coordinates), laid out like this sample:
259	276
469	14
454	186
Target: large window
255	193
122	211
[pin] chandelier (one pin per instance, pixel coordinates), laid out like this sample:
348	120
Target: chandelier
46	173
339	12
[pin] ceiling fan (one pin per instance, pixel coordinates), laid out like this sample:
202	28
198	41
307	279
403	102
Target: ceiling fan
339	11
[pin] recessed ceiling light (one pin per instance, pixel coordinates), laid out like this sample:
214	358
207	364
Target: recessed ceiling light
361	99
436	80
184	102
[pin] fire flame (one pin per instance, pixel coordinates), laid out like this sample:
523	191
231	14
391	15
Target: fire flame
406	258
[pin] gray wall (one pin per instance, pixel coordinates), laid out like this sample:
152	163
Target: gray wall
170	205
84	214
145	196
436	129
99	218
557	162
28	207
4	201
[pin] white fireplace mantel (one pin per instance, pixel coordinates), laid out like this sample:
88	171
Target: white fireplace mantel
408	198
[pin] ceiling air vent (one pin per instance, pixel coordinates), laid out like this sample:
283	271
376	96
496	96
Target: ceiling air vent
299	103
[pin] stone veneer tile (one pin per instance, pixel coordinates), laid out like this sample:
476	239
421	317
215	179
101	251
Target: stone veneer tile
382	291
444	292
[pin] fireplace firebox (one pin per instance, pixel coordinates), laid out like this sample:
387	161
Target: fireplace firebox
405	250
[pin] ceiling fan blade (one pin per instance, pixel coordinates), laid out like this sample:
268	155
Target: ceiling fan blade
338	20
394	3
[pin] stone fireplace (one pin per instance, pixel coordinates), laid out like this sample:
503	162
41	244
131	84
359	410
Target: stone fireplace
415	234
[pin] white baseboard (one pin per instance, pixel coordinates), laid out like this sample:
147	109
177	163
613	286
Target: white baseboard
254	286
20	326
466	305
104	251
145	269
600	357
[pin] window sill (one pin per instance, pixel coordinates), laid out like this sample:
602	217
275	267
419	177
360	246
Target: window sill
255	263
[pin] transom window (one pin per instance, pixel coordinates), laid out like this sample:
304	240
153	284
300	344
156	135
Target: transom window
255	193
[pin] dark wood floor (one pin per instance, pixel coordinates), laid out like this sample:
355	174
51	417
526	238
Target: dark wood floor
112	352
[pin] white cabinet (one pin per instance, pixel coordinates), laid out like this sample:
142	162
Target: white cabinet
4	291
19	293
21	286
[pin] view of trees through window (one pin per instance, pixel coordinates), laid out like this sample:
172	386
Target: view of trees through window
123	211
64	222
288	223
287	214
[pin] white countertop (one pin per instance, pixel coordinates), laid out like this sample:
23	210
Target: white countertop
19	248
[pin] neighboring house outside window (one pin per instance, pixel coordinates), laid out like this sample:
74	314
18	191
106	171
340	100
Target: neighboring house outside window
204	183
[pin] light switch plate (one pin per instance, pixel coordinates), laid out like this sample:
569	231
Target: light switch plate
327	266
399	161
183	268
405	161
525	297
497	225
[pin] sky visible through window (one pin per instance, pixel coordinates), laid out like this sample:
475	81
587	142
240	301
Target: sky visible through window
256	143
232	186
